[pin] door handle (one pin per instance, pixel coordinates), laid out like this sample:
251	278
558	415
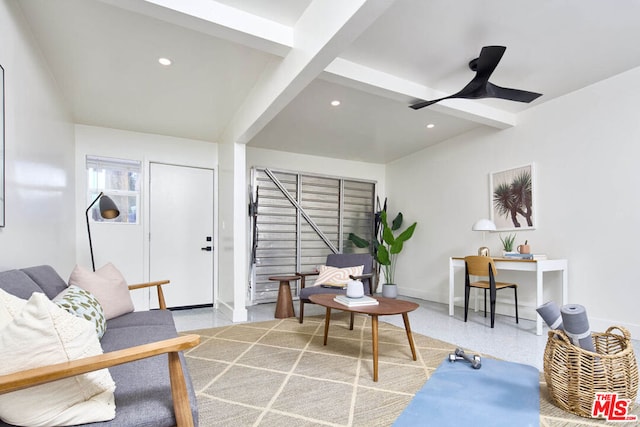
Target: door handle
207	248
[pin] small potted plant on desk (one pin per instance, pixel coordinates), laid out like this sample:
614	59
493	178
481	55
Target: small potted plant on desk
507	243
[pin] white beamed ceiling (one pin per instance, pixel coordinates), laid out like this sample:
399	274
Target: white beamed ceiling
263	72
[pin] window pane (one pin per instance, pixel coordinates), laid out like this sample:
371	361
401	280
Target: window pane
120	180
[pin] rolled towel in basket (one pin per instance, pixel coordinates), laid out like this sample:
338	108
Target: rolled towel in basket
550	313
576	326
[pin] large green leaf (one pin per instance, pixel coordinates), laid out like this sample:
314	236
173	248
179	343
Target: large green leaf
406	234
383	219
383	256
358	241
396	248
387	235
397	222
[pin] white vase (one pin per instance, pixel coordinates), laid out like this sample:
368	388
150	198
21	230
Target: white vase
355	289
389	290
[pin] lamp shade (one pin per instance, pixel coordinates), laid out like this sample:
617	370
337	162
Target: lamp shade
108	208
484	225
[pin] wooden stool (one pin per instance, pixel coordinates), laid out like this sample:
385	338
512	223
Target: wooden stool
284	306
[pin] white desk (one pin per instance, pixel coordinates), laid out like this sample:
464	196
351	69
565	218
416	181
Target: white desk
537	266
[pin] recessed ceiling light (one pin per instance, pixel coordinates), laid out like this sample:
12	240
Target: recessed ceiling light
164	61
430	126
335	102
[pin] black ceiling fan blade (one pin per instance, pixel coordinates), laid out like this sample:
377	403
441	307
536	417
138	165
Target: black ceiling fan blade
473	90
494	91
423	104
480	87
485	64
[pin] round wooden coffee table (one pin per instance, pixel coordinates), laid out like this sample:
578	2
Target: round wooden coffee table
385	307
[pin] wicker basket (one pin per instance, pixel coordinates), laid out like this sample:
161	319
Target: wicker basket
574	375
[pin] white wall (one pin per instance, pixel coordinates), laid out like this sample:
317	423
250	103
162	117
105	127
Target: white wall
124	244
585	149
40	214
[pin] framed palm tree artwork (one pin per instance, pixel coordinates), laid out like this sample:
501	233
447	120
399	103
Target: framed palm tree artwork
513	198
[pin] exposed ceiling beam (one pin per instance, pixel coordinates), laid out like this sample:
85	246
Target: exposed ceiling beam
313	41
218	20
373	81
323	31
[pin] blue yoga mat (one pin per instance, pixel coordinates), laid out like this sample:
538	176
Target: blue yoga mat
498	394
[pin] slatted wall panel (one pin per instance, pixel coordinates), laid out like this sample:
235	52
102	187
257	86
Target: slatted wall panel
321	201
286	242
357	212
276	253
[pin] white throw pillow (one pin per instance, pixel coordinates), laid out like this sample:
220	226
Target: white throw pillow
108	285
43	334
336	276
10	307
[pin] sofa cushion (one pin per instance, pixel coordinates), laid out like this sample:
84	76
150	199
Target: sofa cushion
142	318
18	283
84	305
305	293
42	334
143	388
109	287
47	279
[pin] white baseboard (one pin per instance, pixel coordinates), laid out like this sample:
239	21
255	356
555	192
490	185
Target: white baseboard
524	312
504	306
601	325
235	314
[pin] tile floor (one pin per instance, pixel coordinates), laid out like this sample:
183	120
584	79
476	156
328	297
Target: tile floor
507	340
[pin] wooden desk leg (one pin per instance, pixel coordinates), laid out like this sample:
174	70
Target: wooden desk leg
284	305
374	336
327	319
405	317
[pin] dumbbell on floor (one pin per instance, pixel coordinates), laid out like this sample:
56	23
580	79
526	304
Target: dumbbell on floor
459	354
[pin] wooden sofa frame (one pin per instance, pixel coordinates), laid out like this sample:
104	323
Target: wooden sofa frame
181	406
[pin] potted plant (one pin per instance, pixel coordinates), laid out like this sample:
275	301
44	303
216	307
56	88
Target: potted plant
374	244
389	249
386	249
507	243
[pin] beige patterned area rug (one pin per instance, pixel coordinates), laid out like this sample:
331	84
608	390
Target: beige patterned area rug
279	373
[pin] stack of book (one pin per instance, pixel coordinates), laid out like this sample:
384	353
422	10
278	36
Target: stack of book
517	255
355	302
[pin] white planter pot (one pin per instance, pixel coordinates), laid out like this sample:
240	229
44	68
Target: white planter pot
389	290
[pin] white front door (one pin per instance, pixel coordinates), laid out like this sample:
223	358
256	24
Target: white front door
181	233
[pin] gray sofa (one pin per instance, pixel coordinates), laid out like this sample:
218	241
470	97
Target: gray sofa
144	394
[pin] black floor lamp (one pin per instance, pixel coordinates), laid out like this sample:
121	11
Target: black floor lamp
108	210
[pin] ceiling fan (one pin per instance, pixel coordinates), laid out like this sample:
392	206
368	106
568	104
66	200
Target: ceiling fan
480	87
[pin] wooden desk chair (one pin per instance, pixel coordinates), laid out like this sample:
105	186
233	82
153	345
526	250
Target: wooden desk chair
484	266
